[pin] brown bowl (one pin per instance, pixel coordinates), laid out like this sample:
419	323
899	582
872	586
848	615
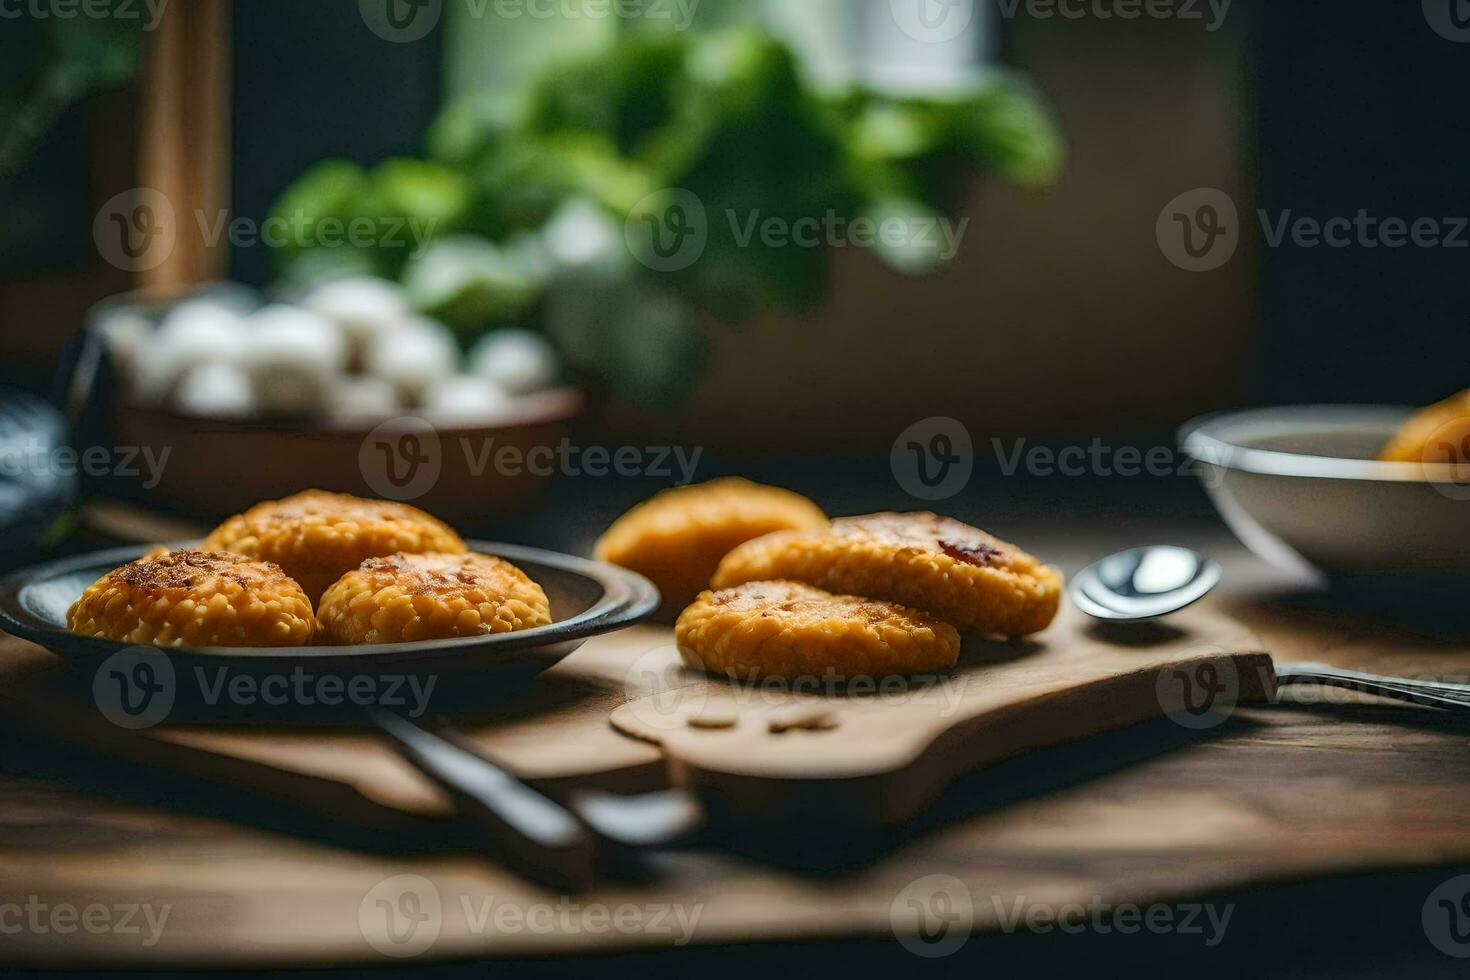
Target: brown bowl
473	477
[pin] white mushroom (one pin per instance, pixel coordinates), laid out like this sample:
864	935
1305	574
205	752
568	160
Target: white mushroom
216	391
364	308
195	332
361	399
293	356
126	334
414	356
465	400
519	361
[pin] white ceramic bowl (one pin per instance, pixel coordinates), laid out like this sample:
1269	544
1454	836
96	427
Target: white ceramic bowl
1301	487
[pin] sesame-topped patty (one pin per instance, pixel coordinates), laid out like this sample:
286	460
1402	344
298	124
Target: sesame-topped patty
794	631
678	537
317	537
195	599
403	598
937	564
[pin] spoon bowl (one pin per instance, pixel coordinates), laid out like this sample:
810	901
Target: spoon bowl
1143	583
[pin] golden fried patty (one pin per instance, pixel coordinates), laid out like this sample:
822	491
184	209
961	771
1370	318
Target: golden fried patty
678	537
195	599
954	571
788	630
1437	434
403	598
318	537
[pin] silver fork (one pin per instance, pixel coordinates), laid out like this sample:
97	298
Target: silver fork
1437	694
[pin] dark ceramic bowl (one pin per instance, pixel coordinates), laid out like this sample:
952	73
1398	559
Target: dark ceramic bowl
588	598
466	492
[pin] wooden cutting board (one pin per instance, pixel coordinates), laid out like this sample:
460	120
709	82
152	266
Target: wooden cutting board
879	755
554	732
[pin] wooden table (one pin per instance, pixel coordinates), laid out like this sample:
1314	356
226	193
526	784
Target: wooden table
1246	814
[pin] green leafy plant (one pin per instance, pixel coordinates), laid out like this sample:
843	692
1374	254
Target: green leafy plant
49	64
529	202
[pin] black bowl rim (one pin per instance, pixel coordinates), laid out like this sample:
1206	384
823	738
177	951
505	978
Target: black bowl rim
627	599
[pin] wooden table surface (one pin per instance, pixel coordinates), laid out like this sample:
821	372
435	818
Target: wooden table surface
1251	814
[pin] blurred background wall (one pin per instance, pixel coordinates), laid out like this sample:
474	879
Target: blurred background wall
1062	315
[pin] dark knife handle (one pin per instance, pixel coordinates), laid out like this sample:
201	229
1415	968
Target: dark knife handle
524	829
660	818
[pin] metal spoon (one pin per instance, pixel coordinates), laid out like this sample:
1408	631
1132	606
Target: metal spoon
1142	584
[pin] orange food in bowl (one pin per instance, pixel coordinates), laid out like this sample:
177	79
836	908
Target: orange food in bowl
1437	434
318	537
195	599
404	598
